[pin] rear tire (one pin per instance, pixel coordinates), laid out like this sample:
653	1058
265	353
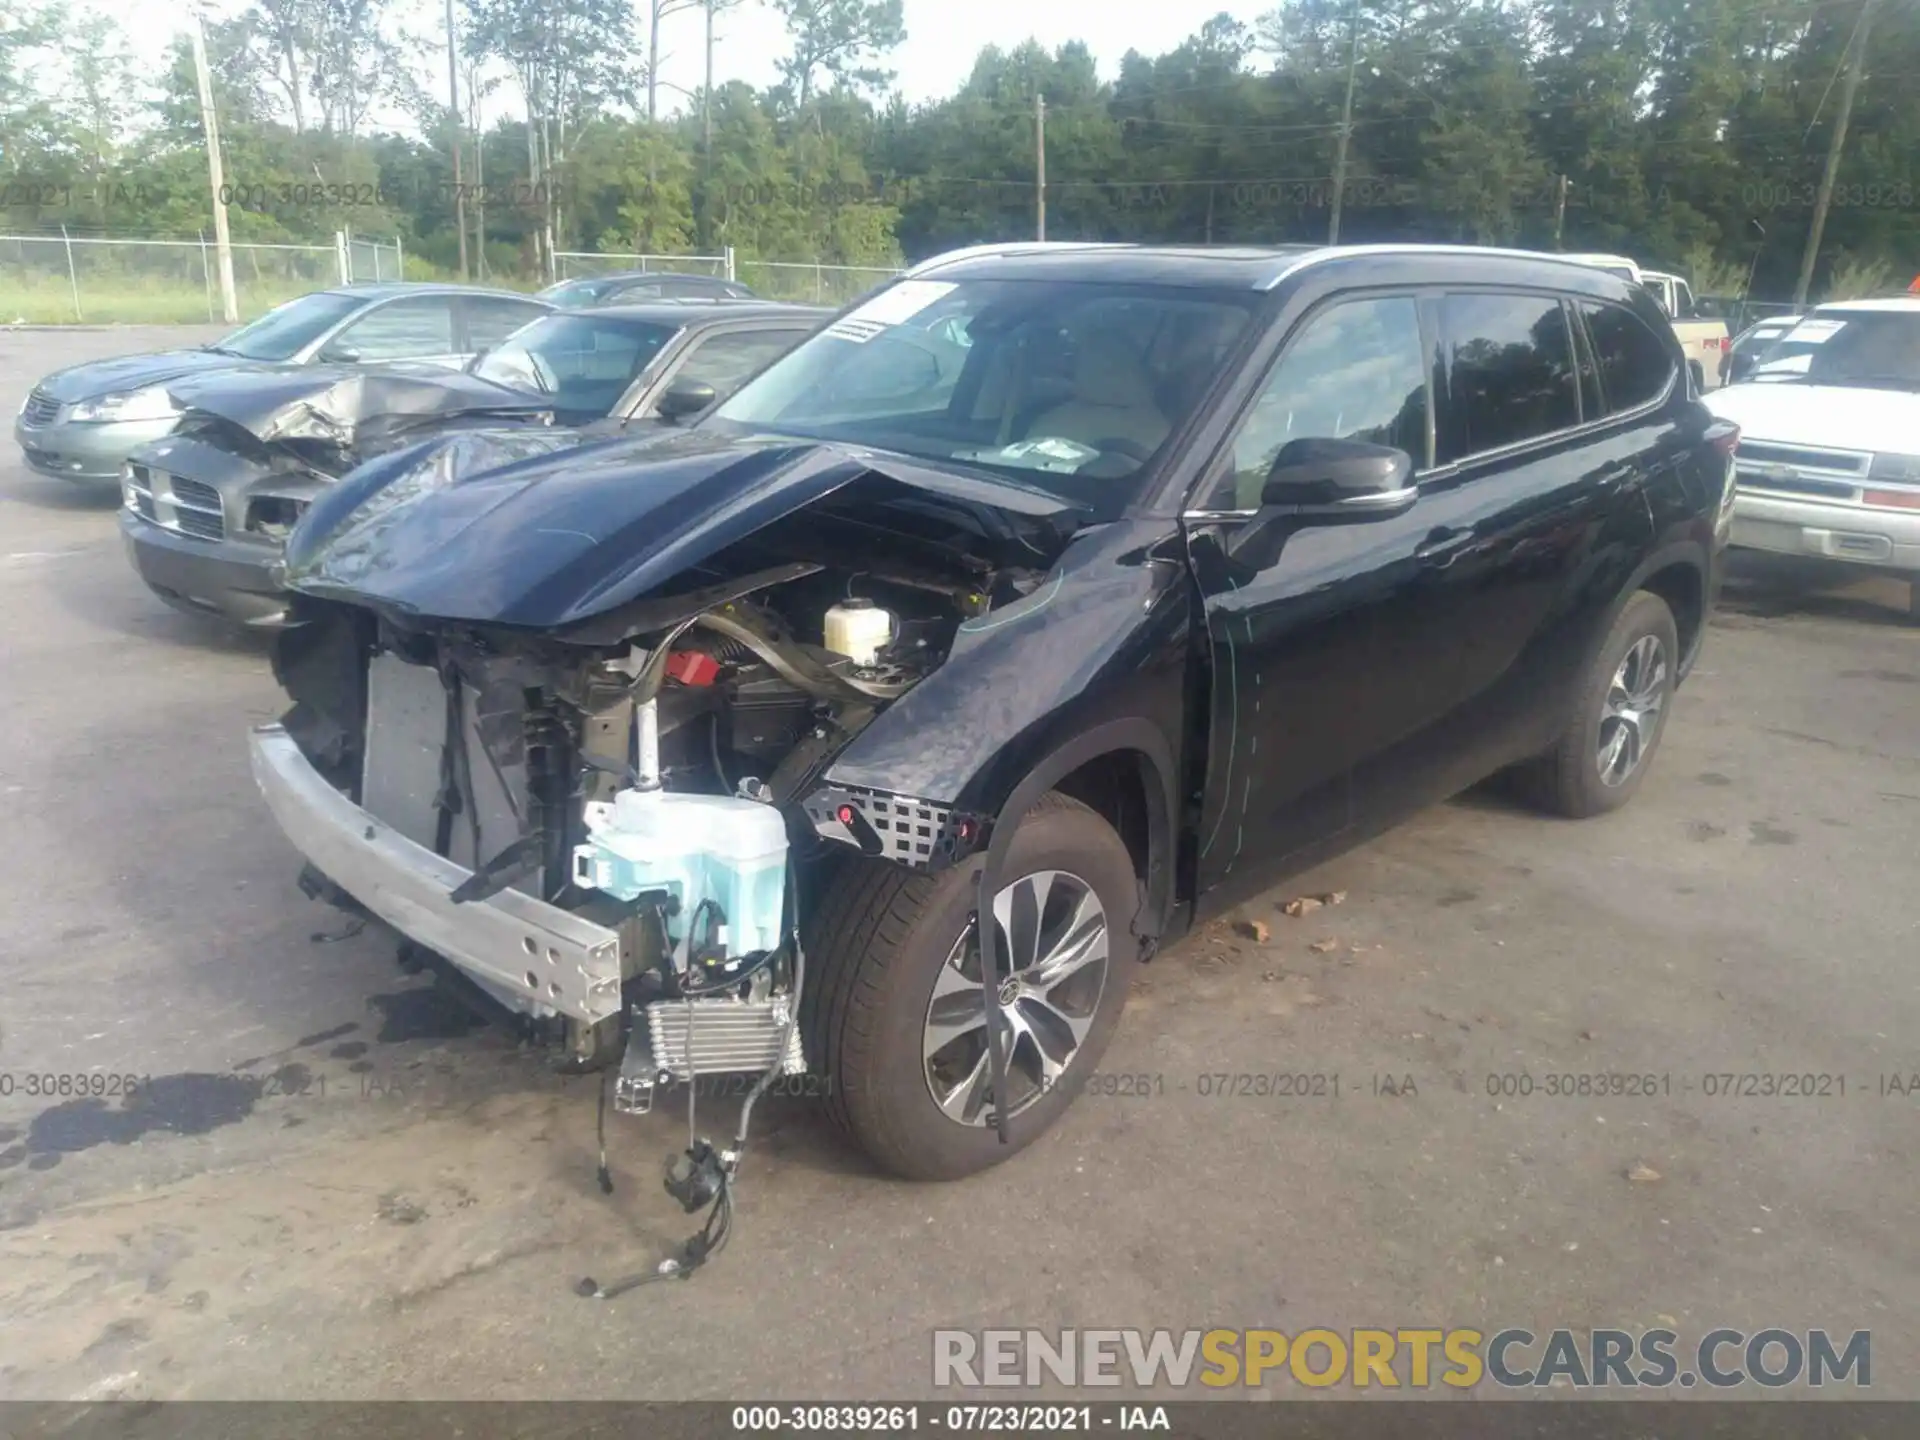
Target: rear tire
1619	714
887	1001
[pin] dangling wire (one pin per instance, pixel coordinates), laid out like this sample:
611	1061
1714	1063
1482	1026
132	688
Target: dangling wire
714	1233
604	1175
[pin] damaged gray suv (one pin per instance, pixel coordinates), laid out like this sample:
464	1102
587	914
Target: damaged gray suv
876	727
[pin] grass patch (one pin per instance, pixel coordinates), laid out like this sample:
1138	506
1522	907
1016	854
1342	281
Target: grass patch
127	300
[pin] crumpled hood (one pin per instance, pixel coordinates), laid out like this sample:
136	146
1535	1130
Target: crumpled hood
132	372
535	528
348	407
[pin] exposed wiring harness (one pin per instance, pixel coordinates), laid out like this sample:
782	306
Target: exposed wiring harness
712	1236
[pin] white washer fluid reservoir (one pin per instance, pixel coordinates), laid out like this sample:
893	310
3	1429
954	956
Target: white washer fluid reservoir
722	848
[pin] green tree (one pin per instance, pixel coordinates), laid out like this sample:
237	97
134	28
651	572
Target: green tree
844	38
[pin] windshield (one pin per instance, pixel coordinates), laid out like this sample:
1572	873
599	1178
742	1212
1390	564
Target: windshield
1864	349
286	330
1072	387
583	362
573	292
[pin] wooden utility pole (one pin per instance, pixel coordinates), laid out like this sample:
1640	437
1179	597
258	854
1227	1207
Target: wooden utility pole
1856	50
706	139
453	108
1559	212
1346	124
210	124
479	175
1040	167
706	100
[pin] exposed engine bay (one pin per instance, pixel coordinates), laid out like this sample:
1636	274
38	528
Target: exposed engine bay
649	784
566	772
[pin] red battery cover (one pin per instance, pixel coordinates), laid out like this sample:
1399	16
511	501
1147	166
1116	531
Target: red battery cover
692	667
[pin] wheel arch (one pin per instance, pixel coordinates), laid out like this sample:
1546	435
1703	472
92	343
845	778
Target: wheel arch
1123	770
1677	573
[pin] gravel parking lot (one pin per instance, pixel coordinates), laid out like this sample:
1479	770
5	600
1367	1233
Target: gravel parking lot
335	1184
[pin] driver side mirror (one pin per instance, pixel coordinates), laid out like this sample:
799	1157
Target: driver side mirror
684	399
340	355
1336	480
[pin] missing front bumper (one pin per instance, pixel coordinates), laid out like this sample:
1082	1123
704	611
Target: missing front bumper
549	960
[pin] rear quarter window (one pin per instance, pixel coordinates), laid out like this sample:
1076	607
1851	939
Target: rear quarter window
1636	365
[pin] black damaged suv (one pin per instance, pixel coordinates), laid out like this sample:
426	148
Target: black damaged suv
1086	588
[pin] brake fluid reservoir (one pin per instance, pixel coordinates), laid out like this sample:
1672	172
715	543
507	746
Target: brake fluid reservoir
860	630
697	848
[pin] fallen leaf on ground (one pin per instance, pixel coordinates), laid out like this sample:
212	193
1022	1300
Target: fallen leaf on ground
1643	1174
1301	906
1335	897
1323	946
1254	929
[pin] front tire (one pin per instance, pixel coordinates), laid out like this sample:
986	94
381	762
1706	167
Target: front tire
1619	714
894	1017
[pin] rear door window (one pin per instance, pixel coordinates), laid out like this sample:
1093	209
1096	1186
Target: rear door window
1635	364
1510	371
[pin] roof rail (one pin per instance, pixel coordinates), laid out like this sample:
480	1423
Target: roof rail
1011	247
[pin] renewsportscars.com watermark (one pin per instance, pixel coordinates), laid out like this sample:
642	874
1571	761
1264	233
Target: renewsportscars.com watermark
1414	1359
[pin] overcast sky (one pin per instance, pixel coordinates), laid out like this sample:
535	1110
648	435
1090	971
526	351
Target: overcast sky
943	36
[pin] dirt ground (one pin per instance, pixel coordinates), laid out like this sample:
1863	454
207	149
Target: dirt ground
334	1184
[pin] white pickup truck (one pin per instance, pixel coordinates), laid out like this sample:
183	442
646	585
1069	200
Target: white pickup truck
1704	337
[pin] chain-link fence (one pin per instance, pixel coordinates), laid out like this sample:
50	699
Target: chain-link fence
807	284
58	279
371	259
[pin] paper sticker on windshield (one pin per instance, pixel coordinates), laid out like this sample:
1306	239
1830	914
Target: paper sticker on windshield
858	331
1815	332
890	307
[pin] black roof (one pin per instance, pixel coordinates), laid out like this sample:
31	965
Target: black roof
625	275
701	312
382	289
1246	267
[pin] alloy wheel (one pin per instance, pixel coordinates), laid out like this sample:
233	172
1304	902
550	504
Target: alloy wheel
1052	954
1630	713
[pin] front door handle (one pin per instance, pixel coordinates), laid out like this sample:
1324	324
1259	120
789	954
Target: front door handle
1615	477
1443	546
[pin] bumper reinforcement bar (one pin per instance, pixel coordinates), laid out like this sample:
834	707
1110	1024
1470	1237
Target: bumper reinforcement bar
552	959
